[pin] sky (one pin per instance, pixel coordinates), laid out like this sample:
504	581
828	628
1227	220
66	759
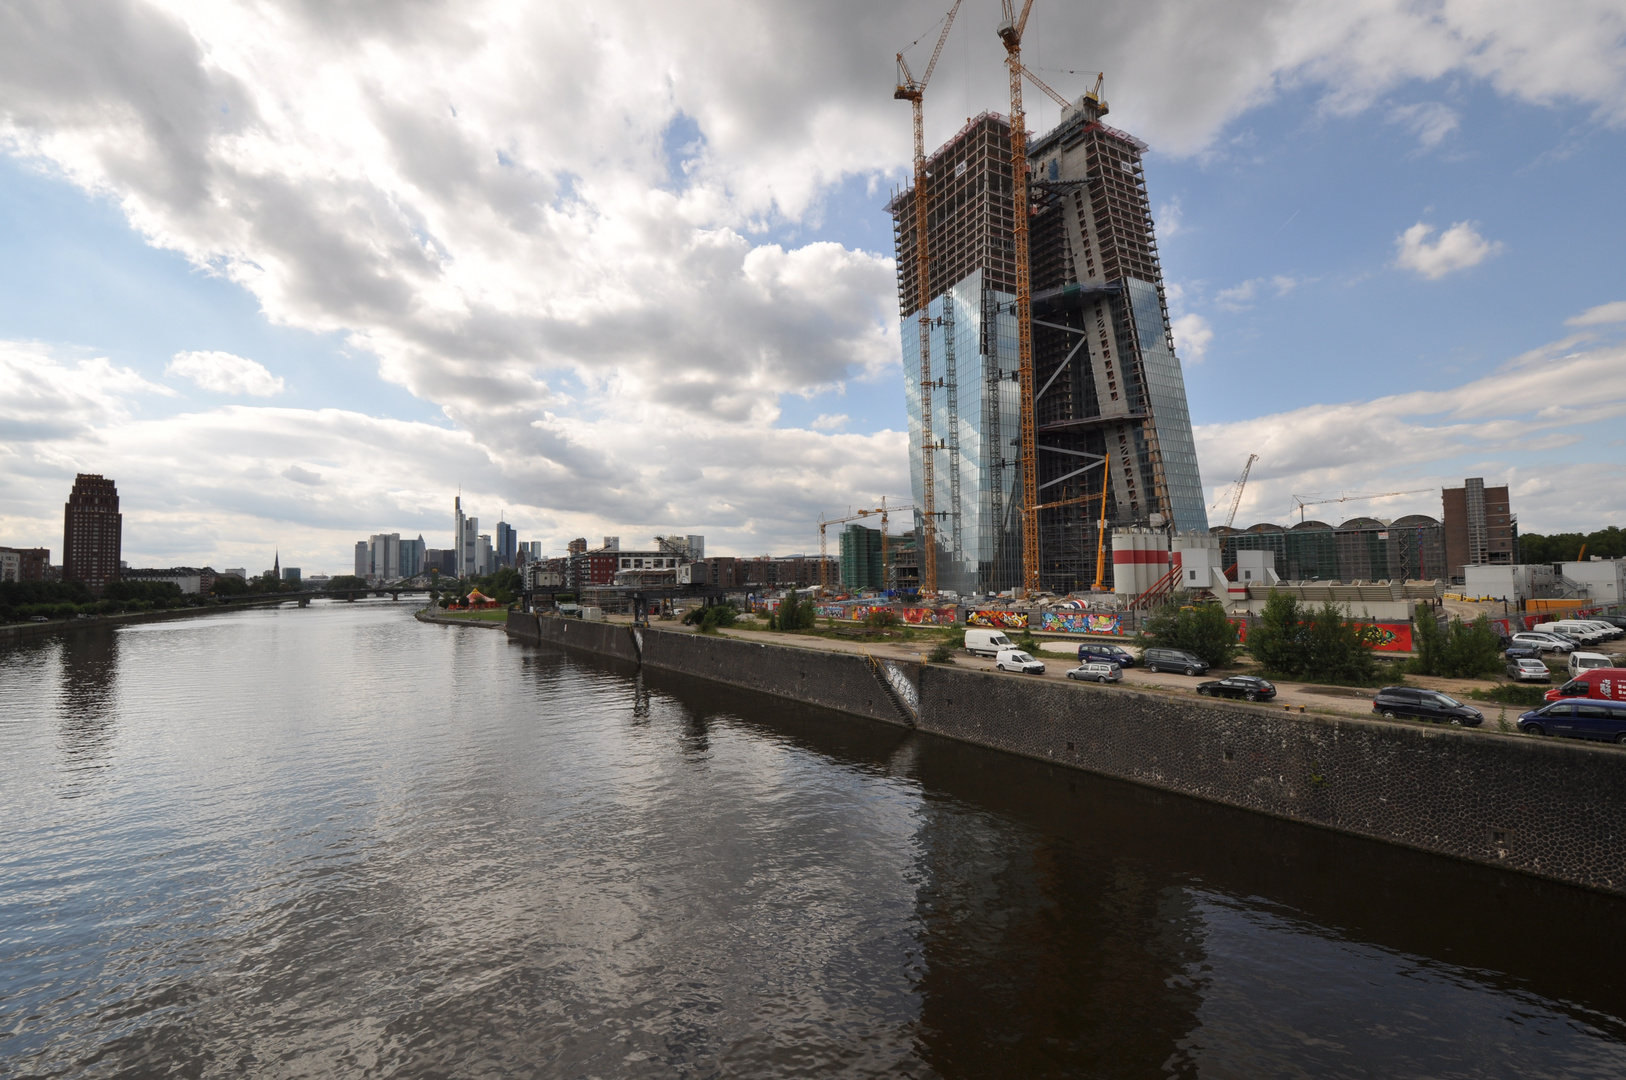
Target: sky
295	273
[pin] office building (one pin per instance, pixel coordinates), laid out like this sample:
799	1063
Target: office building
290	575
860	553
483	554
1106	378
505	545
364	559
92	532
1480	528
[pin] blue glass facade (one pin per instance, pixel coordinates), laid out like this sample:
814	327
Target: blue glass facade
1166	393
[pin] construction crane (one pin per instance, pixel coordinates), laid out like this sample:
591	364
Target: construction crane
1241	482
1010	33
1101	526
913	91
883	510
1301	501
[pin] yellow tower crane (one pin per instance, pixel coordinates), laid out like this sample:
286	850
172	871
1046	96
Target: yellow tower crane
883	510
1010	33
913	91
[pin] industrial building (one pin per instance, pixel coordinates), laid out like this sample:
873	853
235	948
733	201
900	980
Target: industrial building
1411	548
1105	376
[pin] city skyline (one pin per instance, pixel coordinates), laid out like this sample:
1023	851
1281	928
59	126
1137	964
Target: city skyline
1362	286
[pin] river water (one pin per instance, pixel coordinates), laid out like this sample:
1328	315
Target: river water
338	842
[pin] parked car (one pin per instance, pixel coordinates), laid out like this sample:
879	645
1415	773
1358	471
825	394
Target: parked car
1108	654
1097	671
986	642
1521	652
1584	635
1601	720
1609	629
1617	621
1174	660
1545	642
1608	684
1017	660
1396	701
1586	661
1529	671
1250	687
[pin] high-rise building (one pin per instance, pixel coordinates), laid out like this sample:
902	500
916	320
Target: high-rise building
92	532
412	557
483	554
1480	527
1106	379
861	558
506	545
364	559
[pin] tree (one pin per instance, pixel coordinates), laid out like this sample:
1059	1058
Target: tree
346	583
794	614
1202	629
1459	651
1292	641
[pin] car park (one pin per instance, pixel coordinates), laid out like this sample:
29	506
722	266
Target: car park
1545	642
1608	629
1586	661
1097	671
986	642
1521	652
1606	683
1017	660
1569	628
1105	653
1398	701
1248	687
1604	721
1529	671
1174	660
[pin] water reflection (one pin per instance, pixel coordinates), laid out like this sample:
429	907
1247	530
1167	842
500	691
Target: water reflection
87	687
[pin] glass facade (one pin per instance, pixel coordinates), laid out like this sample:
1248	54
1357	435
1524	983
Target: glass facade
1166	389
975	415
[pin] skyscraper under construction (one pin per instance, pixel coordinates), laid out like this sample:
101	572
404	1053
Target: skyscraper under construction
1106	379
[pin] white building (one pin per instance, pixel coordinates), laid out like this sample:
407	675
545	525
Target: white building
1515	584
11	565
484	562
1605	579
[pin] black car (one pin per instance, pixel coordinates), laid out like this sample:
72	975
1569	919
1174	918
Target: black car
1250	687
1521	652
1106	654
1174	660
1395	701
1593	718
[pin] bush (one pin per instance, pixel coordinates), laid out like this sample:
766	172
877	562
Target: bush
942	652
1293	641
717	616
1459	651
1202	629
1529	697
794	614
881	619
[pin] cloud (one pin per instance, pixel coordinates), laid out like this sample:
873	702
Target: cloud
302	476
223	373
1192	336
1422	439
829	422
1458	248
1602	315
1240	297
1430	121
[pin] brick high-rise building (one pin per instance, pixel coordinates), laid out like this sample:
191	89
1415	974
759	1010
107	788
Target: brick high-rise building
1480	527
92	532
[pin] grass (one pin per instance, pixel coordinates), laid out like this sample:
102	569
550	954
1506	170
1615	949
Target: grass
497	615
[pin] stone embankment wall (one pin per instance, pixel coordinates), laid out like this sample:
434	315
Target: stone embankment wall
1541	806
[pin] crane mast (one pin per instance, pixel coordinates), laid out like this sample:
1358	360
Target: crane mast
913	91
1010	33
1242	482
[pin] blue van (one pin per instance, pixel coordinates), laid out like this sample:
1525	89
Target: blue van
1579	718
1105	653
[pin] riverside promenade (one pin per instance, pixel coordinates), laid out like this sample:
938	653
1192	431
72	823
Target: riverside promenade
1548	807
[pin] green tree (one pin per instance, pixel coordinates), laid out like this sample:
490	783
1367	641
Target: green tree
1459	651
1295	642
1202	629
346	583
1274	639
794	614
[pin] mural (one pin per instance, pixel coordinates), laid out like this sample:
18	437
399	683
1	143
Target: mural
912	616
998	620
1387	637
1077	622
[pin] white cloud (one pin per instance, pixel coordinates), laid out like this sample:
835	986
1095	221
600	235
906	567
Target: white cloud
1457	248
1240	297
1192	336
1488	426
1602	315
830	422
223	373
1430	121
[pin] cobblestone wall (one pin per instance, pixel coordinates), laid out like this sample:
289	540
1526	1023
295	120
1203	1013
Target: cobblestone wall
1542	806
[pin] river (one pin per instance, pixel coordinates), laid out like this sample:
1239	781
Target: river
337	842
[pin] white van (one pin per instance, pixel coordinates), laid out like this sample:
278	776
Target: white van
1017	660
986	642
1586	661
1608	630
1570	629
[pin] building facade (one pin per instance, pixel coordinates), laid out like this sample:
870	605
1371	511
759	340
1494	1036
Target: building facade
32	564
1106	377
861	566
1411	548
92	532
505	545
1480	528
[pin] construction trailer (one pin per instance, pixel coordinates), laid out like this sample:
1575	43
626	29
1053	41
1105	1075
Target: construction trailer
1106	378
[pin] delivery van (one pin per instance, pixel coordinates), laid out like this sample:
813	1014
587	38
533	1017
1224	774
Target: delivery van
986	642
1587	661
1603	682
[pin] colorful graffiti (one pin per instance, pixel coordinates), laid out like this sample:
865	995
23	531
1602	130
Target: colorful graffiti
1078	622
915	616
1390	636
998	620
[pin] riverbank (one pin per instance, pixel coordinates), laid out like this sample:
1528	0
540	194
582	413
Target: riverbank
487	620
1540	806
19	631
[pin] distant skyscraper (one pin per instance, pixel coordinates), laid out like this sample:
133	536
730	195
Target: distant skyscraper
459	531
92	532
483	554
364	559
506	546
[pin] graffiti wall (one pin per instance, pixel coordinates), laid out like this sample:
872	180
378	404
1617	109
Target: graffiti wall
1390	636
998	620
1079	622
915	616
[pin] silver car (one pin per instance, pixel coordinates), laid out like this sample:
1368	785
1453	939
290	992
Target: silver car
1097	671
1529	671
1544	642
